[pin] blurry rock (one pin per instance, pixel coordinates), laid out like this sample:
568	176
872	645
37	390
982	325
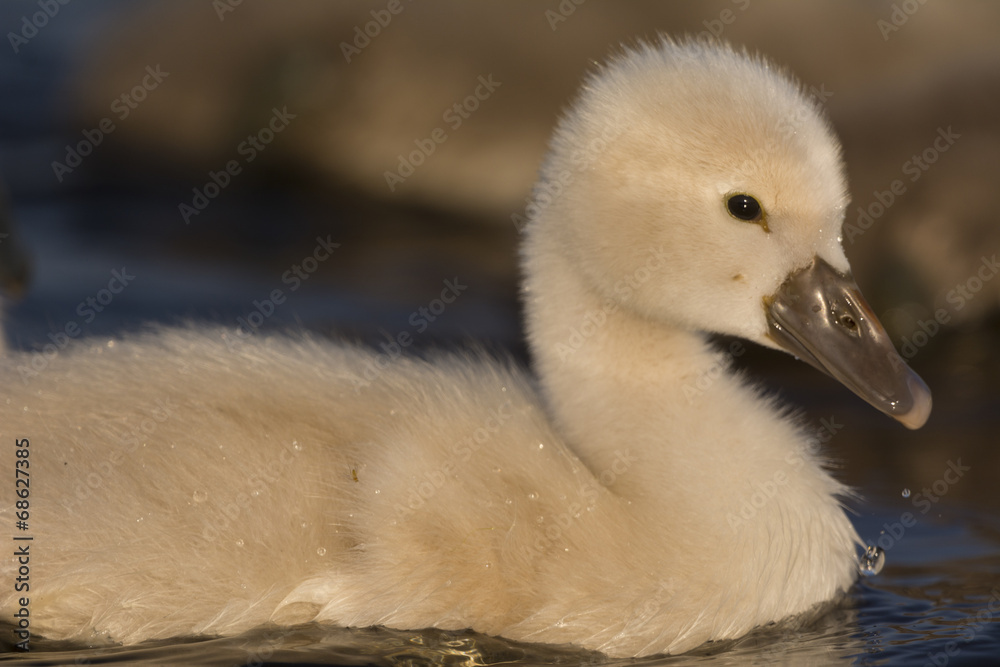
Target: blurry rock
15	266
448	106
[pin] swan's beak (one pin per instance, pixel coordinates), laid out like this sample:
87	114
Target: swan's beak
819	315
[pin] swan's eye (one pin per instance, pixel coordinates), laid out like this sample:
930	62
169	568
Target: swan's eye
744	207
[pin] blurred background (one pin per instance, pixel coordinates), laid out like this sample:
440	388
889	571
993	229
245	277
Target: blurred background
204	147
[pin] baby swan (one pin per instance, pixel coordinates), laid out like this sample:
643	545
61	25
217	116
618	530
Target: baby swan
186	482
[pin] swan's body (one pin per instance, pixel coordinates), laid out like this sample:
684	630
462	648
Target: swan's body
183	484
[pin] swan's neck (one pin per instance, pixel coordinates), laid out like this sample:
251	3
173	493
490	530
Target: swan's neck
621	387
699	443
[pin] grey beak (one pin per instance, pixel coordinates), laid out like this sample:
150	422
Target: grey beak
819	315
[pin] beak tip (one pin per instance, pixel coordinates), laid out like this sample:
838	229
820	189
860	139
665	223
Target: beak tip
918	414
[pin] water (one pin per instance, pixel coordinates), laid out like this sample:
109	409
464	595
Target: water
871	561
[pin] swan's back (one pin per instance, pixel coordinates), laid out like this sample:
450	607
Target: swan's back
274	468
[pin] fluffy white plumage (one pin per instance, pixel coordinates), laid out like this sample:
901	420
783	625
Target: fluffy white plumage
185	485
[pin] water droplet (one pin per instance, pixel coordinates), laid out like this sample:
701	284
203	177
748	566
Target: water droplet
906	493
489	565
508	501
239	543
540	519
872	561
305	525
296	446
377	491
503	388
321	551
541	445
199	496
111	343
532	496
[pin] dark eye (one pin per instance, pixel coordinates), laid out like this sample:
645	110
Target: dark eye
744	207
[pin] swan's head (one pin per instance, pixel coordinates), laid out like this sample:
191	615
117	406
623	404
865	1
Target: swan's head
704	189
